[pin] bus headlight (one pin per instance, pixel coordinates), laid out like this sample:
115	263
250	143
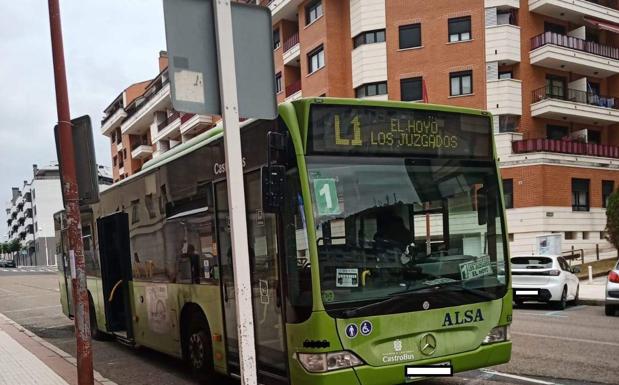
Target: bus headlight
497	334
324	362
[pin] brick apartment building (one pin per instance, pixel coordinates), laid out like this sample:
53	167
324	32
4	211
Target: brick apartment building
141	123
548	70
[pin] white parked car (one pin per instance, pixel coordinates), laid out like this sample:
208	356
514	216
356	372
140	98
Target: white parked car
612	291
544	278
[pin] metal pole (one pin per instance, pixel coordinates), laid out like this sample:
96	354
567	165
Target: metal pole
71	199
236	194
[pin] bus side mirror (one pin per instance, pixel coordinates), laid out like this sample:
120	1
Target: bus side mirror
482	206
273	185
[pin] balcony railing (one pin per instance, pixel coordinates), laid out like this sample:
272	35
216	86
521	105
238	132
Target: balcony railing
293	88
168	120
186	116
134	106
291	41
575	44
138	144
565	147
572	95
614	4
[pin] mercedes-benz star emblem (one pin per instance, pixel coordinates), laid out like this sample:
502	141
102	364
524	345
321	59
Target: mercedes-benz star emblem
427	344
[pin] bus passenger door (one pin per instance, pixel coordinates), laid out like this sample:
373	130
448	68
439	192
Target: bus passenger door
267	304
114	253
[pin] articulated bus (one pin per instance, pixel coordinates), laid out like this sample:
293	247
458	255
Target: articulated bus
377	239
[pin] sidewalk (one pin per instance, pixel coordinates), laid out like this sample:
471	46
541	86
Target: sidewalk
26	359
593	293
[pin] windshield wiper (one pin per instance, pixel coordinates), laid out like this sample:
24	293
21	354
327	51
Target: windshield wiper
398	295
476	292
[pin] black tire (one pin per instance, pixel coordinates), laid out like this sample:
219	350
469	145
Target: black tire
198	347
562	303
609	310
575	300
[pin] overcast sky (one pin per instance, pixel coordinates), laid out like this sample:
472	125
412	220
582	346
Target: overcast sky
109	44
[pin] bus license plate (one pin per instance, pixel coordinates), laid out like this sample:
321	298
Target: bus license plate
526	292
436	370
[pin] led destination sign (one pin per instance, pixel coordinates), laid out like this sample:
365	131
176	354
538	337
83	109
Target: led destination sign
397	131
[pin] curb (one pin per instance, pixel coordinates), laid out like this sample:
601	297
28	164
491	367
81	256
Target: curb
591	302
66	356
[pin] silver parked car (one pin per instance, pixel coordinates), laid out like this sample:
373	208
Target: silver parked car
612	291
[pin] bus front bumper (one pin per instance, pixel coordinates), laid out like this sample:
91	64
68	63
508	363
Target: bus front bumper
485	355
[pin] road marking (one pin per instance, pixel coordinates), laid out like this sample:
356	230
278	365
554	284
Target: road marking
521	378
30	308
548	314
567	339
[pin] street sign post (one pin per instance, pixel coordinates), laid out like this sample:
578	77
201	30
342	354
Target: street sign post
239	83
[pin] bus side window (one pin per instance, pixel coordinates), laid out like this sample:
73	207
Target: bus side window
193	245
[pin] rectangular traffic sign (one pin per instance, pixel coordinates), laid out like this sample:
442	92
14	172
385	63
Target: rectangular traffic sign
193	67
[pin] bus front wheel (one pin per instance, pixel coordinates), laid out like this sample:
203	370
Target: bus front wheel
199	352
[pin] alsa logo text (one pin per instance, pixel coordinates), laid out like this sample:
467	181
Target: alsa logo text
459	318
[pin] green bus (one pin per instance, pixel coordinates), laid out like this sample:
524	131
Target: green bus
377	246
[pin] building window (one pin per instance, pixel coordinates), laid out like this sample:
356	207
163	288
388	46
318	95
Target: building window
313	11
370	37
555	86
371	89
608	186
278	82
508	123
508	193
461	83
460	29
556	132
410	36
510	237
506	75
316	59
569	235
276	39
580	194
602	235
411	89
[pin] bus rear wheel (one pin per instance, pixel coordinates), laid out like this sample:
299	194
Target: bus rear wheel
199	352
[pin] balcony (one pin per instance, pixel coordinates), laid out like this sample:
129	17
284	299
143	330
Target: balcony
574	106
565	147
192	124
109	123
574	10
567	53
293	89
292	51
140	113
503	44
504	96
284	9
119	146
502	4
168	128
141	150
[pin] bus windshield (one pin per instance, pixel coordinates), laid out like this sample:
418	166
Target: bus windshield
413	229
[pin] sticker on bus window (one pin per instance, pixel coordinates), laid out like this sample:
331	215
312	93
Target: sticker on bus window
347	277
325	193
476	268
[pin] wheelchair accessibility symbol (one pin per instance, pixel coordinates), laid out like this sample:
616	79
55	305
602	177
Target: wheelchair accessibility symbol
366	328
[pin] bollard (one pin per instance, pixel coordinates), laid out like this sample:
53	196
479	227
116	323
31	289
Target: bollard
590	274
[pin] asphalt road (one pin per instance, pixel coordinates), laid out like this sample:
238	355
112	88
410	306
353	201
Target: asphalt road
578	346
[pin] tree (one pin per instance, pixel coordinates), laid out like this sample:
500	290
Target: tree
612	219
14	246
